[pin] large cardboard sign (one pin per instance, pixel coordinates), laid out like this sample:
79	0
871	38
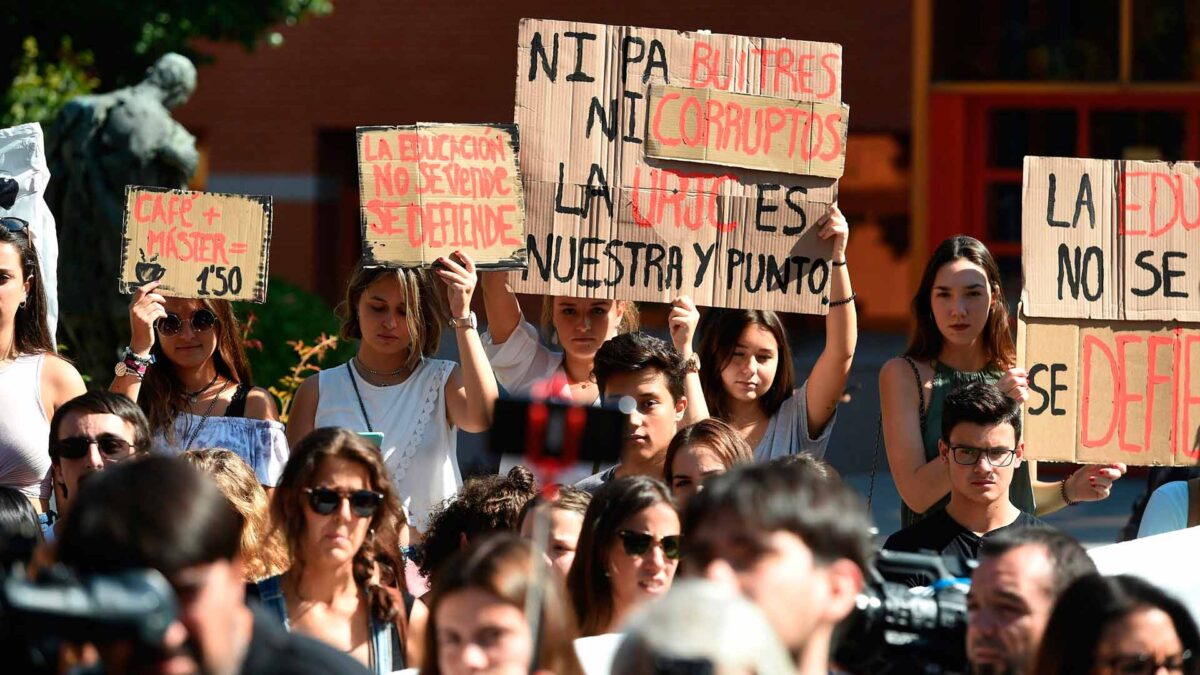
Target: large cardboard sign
756	132
605	219
431	189
1105	391
199	244
1111	240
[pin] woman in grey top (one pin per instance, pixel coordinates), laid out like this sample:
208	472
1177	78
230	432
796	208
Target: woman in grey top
748	376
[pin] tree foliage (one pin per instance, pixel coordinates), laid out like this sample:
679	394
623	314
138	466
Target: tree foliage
114	41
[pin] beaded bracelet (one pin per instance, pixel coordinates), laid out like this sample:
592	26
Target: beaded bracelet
846	301
1062	490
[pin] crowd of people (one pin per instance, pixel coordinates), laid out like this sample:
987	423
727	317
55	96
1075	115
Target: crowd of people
345	538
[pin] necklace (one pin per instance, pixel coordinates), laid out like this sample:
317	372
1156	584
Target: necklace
192	396
204	418
379	373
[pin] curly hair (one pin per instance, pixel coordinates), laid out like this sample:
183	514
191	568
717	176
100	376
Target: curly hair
377	565
483	504
263	553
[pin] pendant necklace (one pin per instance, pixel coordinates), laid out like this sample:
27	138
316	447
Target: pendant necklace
192	396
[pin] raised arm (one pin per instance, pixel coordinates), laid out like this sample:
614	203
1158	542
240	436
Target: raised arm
827	383
921	483
145	308
500	306
682	322
471	392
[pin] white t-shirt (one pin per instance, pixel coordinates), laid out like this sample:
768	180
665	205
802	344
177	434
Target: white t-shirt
1167	510
526	367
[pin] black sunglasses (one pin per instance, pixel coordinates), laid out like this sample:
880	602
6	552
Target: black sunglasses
77	447
637	543
202	321
324	501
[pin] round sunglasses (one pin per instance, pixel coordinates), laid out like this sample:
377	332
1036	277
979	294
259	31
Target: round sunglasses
112	447
202	320
324	501
636	544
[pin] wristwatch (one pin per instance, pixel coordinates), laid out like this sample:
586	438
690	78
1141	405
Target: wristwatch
692	363
468	321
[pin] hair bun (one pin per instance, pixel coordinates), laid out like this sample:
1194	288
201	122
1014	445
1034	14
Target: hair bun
522	479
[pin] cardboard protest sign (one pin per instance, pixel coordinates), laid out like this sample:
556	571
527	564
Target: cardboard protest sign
429	190
1111	240
756	132
1111	391
605	219
200	244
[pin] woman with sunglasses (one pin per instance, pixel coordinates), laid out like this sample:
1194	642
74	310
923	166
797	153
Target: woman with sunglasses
628	551
1118	625
393	387
340	517
34	381
186	366
961	336
477	615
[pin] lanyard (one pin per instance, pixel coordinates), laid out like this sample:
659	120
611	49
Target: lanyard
357	395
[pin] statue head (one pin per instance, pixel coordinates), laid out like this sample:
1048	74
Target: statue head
175	76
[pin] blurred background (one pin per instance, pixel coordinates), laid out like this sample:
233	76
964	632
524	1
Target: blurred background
947	97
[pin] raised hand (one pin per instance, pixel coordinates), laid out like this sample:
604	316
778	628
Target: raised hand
1015	384
834	224
1093	482
460	282
682	322
145	309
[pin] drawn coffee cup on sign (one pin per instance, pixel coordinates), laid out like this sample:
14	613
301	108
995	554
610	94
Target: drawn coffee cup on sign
148	270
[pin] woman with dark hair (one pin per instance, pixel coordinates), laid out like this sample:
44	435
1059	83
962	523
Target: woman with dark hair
394	388
1119	625
747	373
339	515
17	516
628	552
34	381
707	448
186	367
566	511
477	615
961	336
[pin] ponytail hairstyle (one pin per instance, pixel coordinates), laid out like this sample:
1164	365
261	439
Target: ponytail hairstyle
31	332
925	343
377	567
163	396
483	504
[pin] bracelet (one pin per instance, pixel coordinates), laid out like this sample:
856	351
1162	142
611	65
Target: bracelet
838	263
844	301
128	355
1062	490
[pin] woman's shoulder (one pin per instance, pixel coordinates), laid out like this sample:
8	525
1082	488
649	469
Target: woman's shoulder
260	404
902	366
61	376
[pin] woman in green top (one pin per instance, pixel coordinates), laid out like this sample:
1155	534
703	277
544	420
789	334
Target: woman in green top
962	336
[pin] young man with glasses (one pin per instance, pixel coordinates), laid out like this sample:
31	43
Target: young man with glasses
981	448
88	434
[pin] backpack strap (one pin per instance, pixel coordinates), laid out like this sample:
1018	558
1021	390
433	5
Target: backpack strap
270	593
1193	502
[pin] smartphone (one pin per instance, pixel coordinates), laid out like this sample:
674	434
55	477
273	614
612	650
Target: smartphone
600	435
376	437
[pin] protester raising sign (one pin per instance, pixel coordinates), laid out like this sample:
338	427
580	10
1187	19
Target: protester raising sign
199	244
429	190
608	219
1109	252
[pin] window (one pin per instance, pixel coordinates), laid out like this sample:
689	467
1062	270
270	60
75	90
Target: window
1166	38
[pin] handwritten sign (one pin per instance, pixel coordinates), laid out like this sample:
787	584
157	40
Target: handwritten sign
607	219
1111	240
429	190
199	244
757	132
1111	391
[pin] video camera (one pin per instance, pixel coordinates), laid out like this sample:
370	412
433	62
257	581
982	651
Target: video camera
37	616
899	630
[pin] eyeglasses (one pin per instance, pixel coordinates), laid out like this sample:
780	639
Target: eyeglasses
202	320
1144	664
638	543
77	447
363	503
14	224
968	456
